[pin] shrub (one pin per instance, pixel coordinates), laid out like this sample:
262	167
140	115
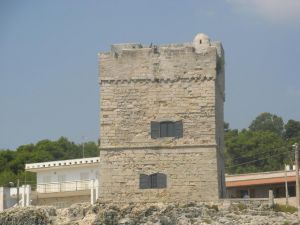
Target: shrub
283	208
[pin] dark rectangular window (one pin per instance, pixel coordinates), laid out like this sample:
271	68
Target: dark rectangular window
153	180
156	180
144	181
166	129
155	129
163	127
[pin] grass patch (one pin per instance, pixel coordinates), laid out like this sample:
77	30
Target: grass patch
214	207
238	207
283	208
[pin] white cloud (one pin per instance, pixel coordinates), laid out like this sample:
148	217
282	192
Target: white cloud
275	10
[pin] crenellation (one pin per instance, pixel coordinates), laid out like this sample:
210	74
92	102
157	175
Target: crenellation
142	63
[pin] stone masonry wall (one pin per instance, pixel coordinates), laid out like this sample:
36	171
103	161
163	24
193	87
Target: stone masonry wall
162	83
191	175
128	108
220	98
140	86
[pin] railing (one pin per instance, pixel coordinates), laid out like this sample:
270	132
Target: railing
63	186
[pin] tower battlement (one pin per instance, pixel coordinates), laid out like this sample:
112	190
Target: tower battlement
136	61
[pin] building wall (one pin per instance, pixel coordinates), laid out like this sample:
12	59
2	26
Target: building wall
140	86
220	98
252	192
282	201
53	175
262	191
6	198
63	202
161	83
191	174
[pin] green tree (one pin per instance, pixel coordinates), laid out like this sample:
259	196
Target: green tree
71	150
226	127
6	156
90	149
12	163
52	147
292	129
6	177
267	122
253	151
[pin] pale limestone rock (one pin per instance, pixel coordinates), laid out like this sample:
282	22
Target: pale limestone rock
136	214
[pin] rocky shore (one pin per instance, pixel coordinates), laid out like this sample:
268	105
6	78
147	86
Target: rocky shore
159	213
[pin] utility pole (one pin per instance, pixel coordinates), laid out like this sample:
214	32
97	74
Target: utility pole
295	147
18	192
286	187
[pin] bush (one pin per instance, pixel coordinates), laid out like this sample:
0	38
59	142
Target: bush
283	208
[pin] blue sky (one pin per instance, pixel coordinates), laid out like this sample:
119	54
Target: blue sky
49	69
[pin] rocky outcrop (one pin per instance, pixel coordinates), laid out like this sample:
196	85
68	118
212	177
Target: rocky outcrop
133	214
27	216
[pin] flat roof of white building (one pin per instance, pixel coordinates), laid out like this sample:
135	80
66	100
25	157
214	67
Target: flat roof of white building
70	163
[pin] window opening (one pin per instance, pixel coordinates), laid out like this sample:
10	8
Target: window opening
153	181
166	129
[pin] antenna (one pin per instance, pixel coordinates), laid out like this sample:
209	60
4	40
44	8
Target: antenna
83	138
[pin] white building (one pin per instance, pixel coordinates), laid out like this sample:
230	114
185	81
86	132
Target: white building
9	197
62	183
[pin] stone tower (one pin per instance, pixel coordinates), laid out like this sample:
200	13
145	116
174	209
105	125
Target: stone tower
161	122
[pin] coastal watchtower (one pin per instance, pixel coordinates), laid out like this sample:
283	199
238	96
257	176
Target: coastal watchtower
161	122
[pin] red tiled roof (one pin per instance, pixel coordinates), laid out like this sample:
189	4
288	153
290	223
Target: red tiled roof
259	181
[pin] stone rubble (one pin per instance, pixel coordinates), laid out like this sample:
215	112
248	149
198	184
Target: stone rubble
148	214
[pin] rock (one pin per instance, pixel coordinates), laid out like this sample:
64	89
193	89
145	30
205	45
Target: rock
26	216
126	221
147	214
76	211
164	220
